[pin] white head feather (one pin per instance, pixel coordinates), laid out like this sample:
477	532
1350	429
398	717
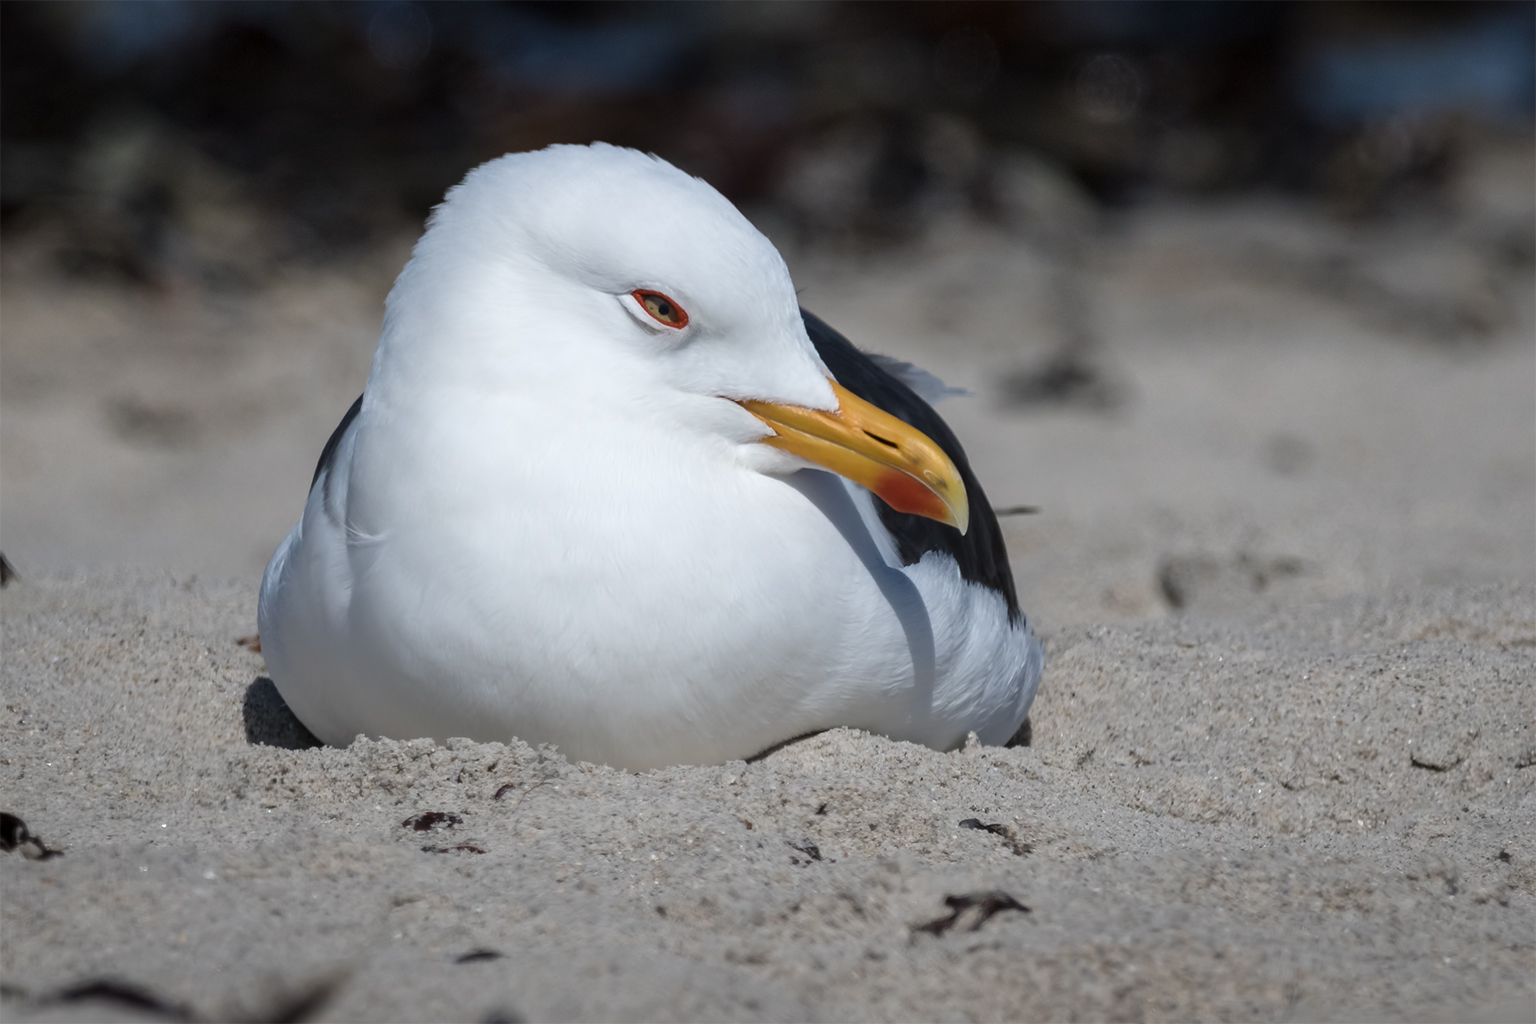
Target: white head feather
525	274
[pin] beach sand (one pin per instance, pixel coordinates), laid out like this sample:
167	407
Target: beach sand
1283	762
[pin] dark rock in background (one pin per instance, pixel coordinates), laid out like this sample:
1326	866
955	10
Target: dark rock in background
178	142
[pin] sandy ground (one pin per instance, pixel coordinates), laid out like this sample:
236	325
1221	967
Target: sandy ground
1283	762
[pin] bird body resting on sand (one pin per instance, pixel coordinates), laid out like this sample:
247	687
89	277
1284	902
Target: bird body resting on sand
609	488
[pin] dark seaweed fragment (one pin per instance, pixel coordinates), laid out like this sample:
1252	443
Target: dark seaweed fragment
975	907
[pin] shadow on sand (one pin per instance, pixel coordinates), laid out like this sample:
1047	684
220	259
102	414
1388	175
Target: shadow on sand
269	723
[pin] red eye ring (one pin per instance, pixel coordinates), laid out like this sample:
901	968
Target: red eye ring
661	308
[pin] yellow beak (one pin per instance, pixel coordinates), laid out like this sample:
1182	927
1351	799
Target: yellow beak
874	449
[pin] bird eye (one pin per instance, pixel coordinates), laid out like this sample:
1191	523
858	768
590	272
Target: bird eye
662	309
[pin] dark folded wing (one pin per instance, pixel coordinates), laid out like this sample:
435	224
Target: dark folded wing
980	552
329	451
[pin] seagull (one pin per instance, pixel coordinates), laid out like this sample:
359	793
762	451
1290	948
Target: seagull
609	488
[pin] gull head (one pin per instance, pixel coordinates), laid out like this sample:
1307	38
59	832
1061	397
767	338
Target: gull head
611	282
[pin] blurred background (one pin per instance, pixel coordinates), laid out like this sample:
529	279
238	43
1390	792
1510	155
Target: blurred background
1243	291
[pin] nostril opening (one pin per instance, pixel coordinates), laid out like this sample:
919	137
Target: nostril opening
884	441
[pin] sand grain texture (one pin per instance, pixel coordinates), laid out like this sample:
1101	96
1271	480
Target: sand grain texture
1292	826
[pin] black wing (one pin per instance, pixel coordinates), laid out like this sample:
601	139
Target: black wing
329	451
980	552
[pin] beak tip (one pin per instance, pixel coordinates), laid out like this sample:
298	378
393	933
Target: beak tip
960	519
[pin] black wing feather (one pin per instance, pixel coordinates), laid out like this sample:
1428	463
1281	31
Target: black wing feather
329	451
980	552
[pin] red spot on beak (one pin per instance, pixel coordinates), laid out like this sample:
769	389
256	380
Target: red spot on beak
905	494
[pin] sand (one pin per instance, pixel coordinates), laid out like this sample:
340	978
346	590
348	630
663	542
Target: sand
1283	762
1326	815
